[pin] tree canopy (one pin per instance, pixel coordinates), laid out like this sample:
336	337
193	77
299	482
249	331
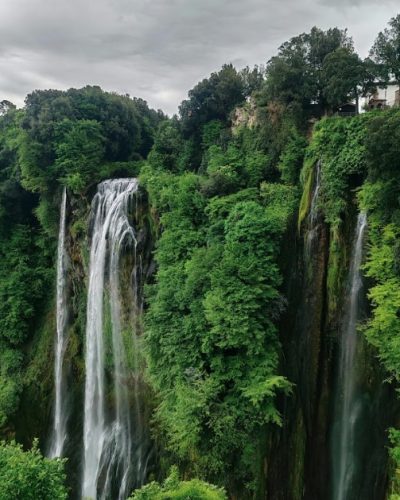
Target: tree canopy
386	51
319	68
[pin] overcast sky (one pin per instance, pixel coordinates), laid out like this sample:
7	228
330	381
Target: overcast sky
159	49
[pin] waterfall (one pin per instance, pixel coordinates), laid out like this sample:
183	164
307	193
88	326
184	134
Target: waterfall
313	213
108	434
59	432
348	404
314	201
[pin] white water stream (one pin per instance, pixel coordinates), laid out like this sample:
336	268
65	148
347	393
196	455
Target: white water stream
107	438
347	402
59	431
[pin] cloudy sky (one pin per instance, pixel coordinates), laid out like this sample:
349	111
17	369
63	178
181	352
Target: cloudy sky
158	49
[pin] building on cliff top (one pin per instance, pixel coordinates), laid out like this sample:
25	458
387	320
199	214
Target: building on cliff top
386	96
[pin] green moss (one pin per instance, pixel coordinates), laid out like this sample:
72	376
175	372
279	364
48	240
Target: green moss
78	228
151	221
38	381
41	355
337	266
308	174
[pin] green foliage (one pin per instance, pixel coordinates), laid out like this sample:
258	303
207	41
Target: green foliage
15	203
28	475
79	152
381	192
212	99
237	163
211	133
383	328
10	382
210	338
22	284
336	271
77	137
307	175
278	127
167	147
340	145
343	72
296	74
379	196
70	134
281	203
292	156
386	50
173	488
394	488
224	169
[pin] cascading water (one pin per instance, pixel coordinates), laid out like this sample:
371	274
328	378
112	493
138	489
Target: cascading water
108	436
348	404
313	213
59	432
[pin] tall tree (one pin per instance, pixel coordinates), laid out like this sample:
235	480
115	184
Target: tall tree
386	50
344	76
212	99
296	73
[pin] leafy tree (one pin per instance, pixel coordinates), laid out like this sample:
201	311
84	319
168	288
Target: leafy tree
253	79
30	476
386	50
343	72
168	145
296	73
16	204
79	152
212	99
124	132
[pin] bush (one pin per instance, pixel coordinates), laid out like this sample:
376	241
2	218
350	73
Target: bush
174	489
28	475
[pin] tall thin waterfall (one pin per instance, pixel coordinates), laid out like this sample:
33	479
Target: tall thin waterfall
59	432
313	213
347	402
108	453
314	200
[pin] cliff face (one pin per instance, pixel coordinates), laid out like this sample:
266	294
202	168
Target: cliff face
302	455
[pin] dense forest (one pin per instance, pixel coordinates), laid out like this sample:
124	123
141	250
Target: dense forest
227	326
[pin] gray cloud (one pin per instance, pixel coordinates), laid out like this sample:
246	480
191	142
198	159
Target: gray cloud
356	3
158	49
